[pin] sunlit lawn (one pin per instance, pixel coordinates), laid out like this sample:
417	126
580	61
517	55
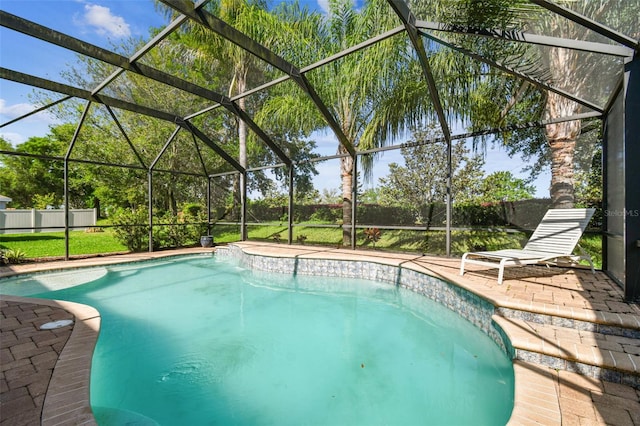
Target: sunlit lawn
51	244
432	242
401	240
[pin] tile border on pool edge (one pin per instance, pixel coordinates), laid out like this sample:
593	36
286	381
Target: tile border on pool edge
465	303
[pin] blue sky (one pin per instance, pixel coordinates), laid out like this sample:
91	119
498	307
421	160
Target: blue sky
103	23
106	23
496	159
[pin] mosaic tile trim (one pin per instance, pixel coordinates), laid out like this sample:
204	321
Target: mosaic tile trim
540	318
470	306
600	373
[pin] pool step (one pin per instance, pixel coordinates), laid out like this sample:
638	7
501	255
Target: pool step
609	323
609	357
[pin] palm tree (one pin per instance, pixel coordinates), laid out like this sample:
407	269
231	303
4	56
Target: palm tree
363	90
496	95
574	72
225	62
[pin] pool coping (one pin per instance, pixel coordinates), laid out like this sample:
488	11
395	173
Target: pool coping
536	393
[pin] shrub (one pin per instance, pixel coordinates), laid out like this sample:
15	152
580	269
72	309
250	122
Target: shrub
129	228
325	214
192	209
385	215
180	230
43	201
198	226
173	232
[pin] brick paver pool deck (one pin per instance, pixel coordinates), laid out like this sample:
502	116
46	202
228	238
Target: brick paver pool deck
568	318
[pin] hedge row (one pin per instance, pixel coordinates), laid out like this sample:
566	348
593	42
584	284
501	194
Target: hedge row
525	214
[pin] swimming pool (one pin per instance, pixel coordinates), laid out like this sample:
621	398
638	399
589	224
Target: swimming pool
197	340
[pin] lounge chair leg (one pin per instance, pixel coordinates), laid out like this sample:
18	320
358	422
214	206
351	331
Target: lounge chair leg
464	257
584	255
501	272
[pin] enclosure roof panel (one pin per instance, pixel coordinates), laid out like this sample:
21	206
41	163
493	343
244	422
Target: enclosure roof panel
100	52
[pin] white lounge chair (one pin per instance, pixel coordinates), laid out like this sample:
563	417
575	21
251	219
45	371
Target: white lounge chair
553	240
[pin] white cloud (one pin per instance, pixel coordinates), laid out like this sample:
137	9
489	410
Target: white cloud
14	139
18	132
326	142
16	110
324	5
103	21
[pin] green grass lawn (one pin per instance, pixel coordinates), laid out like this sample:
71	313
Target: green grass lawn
51	244
401	240
432	242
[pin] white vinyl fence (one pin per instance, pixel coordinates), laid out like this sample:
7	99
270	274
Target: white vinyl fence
21	221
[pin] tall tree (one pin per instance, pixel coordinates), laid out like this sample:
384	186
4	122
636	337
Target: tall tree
23	177
101	140
499	100
575	72
563	66
236	66
237	71
417	186
356	88
503	186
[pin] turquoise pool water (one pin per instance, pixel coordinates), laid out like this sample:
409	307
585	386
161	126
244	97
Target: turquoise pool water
199	341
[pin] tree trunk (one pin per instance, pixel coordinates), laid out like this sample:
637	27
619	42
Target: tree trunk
96	205
562	136
346	173
238	85
173	203
562	142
